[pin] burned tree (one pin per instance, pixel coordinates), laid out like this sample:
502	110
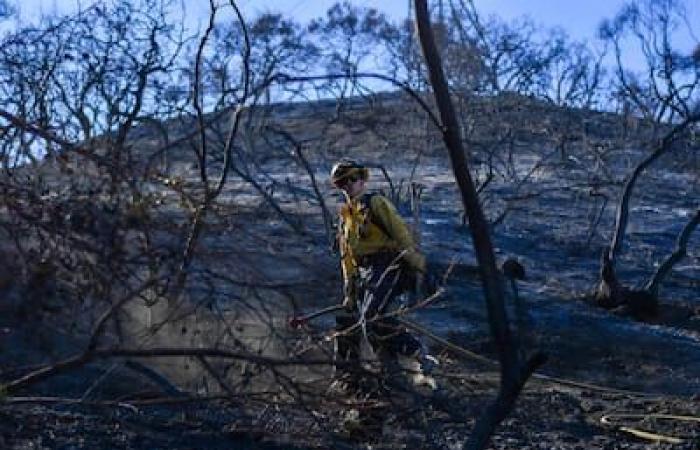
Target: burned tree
665	99
514	370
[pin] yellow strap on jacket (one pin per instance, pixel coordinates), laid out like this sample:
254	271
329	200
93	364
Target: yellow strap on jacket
359	235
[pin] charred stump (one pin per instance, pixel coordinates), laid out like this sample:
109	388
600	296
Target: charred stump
611	294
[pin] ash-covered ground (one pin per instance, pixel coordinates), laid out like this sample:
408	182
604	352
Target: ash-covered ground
607	374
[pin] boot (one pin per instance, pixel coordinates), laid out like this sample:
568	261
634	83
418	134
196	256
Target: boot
421	369
428	363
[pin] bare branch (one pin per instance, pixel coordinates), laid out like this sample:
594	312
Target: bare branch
678	254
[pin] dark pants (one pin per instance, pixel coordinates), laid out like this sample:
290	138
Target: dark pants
381	281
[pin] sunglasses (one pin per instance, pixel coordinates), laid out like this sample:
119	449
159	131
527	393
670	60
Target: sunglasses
345	181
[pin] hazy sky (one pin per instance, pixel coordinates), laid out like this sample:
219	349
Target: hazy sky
579	18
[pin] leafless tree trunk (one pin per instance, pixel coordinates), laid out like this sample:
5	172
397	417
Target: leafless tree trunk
514	371
610	292
666	96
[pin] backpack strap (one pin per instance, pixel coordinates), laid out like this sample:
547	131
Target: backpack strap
367	202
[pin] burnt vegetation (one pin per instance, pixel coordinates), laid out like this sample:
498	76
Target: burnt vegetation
165	210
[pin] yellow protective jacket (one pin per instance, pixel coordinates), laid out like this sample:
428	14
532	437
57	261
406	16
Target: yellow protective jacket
359	234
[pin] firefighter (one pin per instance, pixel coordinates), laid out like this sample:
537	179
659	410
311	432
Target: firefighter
379	261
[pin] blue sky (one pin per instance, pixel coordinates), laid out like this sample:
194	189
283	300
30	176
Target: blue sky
578	18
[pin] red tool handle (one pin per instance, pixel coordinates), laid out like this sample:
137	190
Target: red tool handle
296	322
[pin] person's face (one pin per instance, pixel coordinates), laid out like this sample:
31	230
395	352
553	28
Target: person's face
352	186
